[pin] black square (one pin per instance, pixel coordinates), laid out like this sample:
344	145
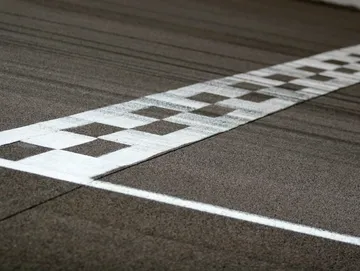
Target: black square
346	70
95	129
249	86
311	69
319	77
208	97
213	111
291	86
160	127
255	97
97	147
336	62
355	55
156	112
20	150
281	77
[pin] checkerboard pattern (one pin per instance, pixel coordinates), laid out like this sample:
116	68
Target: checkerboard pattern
95	142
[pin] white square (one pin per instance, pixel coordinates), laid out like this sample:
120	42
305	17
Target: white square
123	120
177	100
215	125
69	163
131	155
139	138
59	140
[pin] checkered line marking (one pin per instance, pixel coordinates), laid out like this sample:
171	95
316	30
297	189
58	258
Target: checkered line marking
82	147
95	142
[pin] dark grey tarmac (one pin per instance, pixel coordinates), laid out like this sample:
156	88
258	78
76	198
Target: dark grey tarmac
60	57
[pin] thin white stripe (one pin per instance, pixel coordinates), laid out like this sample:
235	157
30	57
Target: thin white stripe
193	205
217	210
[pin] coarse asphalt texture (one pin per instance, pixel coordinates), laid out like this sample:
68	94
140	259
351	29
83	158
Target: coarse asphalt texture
302	165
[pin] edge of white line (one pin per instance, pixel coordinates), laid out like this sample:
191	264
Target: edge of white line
193	205
225	212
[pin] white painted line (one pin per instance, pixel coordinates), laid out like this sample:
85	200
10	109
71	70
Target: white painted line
45	172
193	205
225	212
196	112
59	140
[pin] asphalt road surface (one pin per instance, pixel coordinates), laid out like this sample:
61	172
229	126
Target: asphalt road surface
299	165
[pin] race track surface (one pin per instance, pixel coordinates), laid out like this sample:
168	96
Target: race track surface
273	187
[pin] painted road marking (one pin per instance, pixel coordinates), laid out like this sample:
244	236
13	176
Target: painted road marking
197	112
189	204
183	116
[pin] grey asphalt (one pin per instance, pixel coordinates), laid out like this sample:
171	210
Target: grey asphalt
300	165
